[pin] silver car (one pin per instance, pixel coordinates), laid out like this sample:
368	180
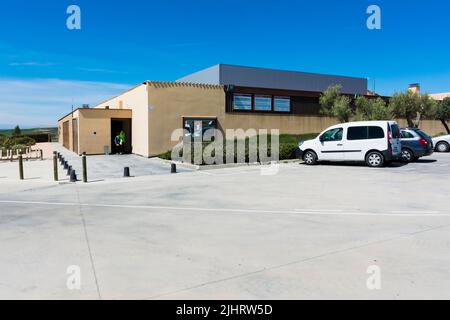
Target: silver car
442	143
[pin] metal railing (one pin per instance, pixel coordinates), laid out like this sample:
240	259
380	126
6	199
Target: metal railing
27	154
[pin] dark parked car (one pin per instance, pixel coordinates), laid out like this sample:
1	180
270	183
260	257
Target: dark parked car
415	144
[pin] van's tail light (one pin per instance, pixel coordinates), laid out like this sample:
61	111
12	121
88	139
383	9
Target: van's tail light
423	142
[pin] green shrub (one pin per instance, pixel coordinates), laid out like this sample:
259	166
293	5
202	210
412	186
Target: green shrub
19	147
3	138
287	151
166	155
10	142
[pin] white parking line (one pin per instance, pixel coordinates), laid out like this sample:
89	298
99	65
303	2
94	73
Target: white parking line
253	211
415	212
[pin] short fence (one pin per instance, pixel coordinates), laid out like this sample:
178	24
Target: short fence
27	154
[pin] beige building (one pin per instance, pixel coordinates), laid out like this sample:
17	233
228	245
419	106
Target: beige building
440	96
221	97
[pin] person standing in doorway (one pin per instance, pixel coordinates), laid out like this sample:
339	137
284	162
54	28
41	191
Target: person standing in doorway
117	142
122	142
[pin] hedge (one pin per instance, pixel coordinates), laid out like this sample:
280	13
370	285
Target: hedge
288	145
12	142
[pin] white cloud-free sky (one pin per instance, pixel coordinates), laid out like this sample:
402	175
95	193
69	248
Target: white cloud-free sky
41	102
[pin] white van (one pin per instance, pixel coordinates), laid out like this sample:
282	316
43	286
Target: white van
374	142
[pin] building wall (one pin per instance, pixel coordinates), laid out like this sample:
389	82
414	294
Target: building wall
135	100
61	122
440	96
158	108
95	129
431	127
171	102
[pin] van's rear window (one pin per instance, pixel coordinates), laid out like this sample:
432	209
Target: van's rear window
395	131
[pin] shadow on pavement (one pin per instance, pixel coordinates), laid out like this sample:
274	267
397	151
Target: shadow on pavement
426	161
357	164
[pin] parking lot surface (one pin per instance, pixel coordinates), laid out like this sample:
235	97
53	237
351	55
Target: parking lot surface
303	233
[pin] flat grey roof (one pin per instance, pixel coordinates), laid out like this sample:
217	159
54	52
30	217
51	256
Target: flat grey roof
224	74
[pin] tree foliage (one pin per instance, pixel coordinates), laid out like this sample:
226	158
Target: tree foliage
371	109
412	107
442	112
334	104
17	131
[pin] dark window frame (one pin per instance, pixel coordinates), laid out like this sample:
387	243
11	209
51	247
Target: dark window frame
263	96
252	103
253	110
282	97
184	119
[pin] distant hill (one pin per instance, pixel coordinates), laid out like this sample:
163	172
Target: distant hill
51	131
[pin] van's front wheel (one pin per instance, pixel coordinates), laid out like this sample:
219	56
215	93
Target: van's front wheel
375	159
310	158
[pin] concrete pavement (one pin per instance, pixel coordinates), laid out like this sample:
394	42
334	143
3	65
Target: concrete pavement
305	233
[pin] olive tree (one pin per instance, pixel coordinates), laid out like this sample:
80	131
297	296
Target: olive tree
371	109
412	106
442	112
334	104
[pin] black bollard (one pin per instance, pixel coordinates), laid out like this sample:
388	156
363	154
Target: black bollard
173	168
126	172
69	170
85	180
66	165
55	166
73	176
21	166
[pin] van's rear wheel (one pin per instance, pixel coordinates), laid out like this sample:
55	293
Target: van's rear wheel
375	159
310	158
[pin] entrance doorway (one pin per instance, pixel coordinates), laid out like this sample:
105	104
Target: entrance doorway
118	125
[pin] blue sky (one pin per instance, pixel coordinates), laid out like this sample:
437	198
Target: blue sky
43	65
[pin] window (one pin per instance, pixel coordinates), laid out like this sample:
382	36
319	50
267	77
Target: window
282	104
407	135
242	102
395	131
196	128
332	135
357	133
376	133
263	103
423	134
